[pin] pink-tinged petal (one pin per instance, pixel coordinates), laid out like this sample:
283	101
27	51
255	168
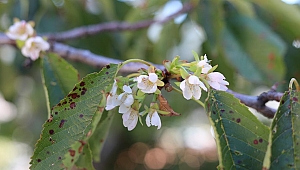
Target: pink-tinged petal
196	92
153	77
214	85
127	89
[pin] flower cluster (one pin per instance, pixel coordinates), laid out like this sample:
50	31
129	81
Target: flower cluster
24	34
129	98
195	75
129	93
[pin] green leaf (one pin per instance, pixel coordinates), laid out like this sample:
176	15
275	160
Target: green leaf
283	18
241	138
257	46
239	58
59	77
284	149
209	14
72	122
85	160
99	137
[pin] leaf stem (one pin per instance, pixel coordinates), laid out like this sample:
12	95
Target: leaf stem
198	101
135	60
294	81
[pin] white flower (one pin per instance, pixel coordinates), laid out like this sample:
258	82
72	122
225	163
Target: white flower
191	87
112	99
126	99
204	64
148	84
153	119
216	80
33	46
20	31
130	118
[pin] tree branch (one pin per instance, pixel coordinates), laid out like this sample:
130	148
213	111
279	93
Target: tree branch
89	58
259	102
112	26
98	61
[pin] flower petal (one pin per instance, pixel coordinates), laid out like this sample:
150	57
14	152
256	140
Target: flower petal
196	91
153	77
127	89
193	80
155	120
129	100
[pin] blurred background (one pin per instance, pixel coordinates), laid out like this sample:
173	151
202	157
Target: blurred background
255	43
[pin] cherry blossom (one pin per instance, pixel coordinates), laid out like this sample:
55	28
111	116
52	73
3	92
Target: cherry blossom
130	118
125	99
148	84
204	64
33	46
21	30
216	80
112	99
191	87
153	119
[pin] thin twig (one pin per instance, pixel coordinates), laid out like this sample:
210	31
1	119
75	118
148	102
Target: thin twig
112	26
259	102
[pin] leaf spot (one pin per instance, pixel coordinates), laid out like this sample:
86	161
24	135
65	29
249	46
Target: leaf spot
75	88
238	120
39	160
72	152
255	142
107	66
81	147
260	140
83	91
82	83
74	95
72	105
295	99
62	122
51	132
81	115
